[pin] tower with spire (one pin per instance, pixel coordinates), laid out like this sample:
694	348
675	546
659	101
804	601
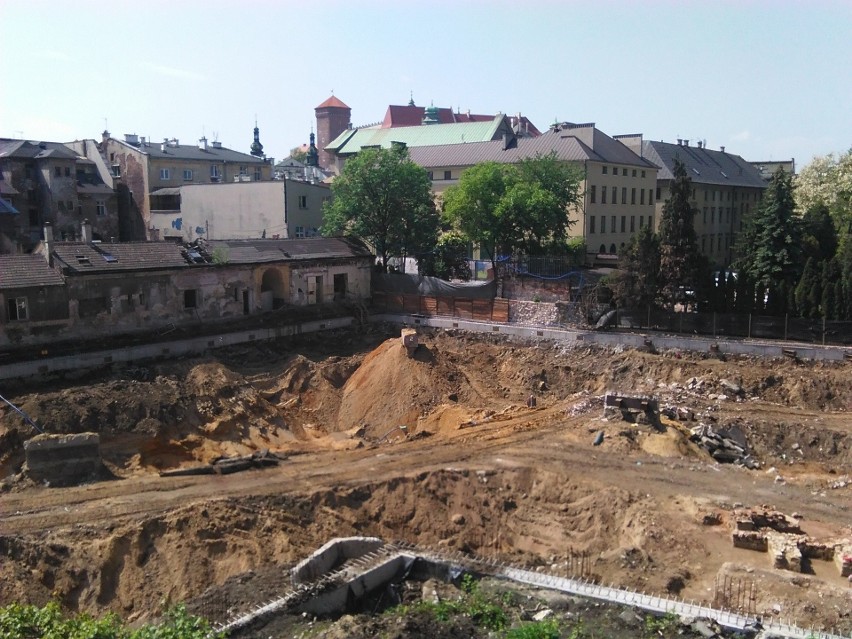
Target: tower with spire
312	158
256	146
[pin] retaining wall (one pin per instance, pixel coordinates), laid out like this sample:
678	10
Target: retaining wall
177	348
332	555
633	340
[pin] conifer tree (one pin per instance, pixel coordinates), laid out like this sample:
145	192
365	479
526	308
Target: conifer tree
805	300
678	250
772	243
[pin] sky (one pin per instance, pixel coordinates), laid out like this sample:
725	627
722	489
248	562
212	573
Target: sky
767	80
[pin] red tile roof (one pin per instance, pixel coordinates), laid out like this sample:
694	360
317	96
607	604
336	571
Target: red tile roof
332	102
398	115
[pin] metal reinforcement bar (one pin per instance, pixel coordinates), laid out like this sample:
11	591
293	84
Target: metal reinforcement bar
623	596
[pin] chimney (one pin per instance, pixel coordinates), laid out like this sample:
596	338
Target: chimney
505	141
141	140
723	149
679	142
686	143
699	144
48	243
86	231
202	143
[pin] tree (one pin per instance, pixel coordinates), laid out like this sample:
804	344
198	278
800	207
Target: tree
505	208
449	259
771	252
384	198
819	236
636	282
808	290
678	247
827	181
299	154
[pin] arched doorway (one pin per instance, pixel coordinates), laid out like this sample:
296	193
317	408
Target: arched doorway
273	289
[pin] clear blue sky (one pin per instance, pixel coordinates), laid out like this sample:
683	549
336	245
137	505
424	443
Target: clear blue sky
768	80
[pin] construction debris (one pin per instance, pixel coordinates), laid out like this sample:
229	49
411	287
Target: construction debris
726	447
228	465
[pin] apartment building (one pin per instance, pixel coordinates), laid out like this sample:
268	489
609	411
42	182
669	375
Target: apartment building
726	190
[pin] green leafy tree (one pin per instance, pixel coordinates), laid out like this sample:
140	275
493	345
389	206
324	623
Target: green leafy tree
827	181
449	260
505	208
678	247
299	154
384	198
637	281
771	243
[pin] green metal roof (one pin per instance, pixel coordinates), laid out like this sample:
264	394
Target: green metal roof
352	141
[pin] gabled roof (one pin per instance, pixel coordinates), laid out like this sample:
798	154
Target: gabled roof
352	141
27	271
83	257
24	149
703	166
310	248
333	102
191	152
399	115
576	144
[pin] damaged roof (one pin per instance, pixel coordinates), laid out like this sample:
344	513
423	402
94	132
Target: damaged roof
82	257
309	248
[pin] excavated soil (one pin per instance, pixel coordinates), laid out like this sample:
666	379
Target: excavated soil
438	449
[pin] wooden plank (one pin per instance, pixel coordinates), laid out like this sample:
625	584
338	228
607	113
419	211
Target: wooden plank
429	305
500	310
445	306
464	308
411	303
481	310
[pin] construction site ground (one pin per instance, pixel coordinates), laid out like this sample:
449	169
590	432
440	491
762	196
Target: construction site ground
438	449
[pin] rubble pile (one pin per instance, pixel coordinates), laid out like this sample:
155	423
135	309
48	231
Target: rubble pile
725	446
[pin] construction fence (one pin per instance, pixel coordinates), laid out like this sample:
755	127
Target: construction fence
798	329
484	310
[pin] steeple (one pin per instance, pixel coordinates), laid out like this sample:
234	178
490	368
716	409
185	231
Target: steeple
312	158
256	146
411	101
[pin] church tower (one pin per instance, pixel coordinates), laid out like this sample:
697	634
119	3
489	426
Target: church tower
333	118
256	146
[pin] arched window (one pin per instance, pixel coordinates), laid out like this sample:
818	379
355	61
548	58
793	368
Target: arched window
612	249
602	251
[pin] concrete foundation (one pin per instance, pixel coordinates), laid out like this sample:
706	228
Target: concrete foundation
64	460
331	555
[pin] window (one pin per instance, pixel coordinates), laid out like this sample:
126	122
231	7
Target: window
703	243
602	249
300	231
603	226
100	208
712	214
615	170
651	221
633	222
612	224
214	172
705	196
591	224
57	171
67	171
70	206
243	170
624	195
633	195
641	196
165	174
603	195
593	194
643	173
658	193
604	169
705	215
116	170
612	250
711	243
61	204
303	201
634	173
650	196
431	177
623	223
614	195
190	299
17	307
641	221
258	174
187	175
448	175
